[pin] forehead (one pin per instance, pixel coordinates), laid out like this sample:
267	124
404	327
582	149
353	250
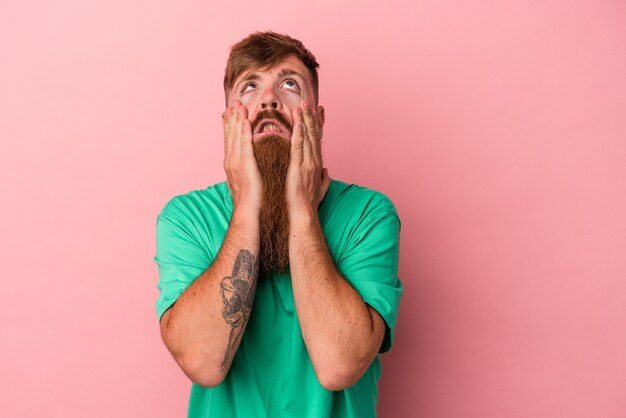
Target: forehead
289	66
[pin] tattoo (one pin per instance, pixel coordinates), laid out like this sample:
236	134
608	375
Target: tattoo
238	295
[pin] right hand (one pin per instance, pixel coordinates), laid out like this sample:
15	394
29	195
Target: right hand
242	171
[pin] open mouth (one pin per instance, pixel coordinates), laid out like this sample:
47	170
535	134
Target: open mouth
270	126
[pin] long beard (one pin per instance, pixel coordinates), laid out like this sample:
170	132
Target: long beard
272	155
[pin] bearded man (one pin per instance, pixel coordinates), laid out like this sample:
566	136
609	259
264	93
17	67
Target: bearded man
279	288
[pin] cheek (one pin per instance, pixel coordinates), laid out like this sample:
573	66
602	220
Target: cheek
291	100
249	103
247	100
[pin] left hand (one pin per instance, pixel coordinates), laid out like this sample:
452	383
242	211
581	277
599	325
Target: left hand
307	180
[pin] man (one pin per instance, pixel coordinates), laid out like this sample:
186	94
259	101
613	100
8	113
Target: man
279	287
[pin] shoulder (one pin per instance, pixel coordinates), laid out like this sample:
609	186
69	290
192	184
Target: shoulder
214	199
349	210
199	216
356	199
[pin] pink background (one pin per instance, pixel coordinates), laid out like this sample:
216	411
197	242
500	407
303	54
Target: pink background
497	127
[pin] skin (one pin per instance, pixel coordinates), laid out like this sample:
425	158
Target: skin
342	334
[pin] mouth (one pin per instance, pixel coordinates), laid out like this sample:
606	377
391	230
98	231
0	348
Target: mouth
271	127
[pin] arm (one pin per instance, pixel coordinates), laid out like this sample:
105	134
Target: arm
343	335
204	327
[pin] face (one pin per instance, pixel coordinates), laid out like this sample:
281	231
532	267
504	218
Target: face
271	95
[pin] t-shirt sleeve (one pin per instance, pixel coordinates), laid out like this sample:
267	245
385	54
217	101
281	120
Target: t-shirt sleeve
179	256
370	264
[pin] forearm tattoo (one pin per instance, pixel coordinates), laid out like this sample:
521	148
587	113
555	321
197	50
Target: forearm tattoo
238	295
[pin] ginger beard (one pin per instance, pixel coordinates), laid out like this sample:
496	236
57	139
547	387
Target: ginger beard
272	156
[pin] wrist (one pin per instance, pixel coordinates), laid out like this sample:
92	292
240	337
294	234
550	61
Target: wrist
246	214
248	204
302	218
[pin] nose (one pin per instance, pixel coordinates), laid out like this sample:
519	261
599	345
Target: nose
269	99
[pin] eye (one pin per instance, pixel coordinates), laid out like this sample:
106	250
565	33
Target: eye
291	85
247	87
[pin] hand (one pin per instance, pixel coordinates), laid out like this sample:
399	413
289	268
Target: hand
242	171
307	181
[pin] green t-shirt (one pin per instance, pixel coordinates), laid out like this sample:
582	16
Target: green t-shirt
271	374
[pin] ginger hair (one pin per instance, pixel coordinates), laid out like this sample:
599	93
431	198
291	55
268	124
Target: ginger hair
264	50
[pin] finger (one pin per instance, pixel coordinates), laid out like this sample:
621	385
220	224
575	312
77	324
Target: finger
225	122
306	143
325	184
297	136
245	125
320	121
236	136
312	122
229	130
313	133
234	110
246	139
231	115
225	125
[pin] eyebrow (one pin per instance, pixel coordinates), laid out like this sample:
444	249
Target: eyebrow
287	71
253	76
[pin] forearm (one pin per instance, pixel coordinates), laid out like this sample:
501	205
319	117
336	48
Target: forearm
339	329
203	328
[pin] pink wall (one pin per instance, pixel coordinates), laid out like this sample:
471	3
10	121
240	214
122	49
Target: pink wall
497	127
